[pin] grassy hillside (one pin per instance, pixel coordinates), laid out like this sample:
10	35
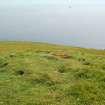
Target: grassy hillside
45	74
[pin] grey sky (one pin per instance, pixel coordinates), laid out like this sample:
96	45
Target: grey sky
17	2
52	21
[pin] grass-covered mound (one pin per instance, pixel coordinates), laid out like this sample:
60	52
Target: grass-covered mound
44	74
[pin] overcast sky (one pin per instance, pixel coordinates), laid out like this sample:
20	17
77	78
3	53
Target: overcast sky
53	21
17	2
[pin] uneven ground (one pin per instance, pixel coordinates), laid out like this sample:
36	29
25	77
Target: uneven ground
44	74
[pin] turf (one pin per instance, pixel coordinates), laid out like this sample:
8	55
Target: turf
46	74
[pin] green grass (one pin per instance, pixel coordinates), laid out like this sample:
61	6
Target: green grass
47	74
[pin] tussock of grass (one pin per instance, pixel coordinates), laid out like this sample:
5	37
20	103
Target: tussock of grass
63	68
44	80
49	56
42	51
82	74
12	55
62	55
87	63
3	62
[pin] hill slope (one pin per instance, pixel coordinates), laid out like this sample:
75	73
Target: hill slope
45	74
